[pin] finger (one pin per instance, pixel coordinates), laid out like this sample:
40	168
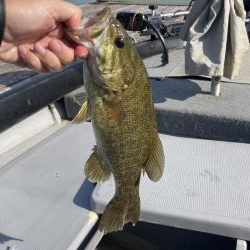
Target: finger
81	51
49	59
9	55
30	59
75	21
67	13
64	52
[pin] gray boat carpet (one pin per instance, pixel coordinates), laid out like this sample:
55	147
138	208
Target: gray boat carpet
205	187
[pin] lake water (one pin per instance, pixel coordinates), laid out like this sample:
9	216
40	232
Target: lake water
80	2
137	1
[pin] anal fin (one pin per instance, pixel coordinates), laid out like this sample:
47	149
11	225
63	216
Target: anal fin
83	113
154	165
95	169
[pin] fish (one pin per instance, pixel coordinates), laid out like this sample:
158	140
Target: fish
120	106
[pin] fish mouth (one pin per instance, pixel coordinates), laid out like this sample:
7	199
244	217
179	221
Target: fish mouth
93	26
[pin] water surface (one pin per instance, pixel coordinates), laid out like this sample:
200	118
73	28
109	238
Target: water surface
186	2
80	2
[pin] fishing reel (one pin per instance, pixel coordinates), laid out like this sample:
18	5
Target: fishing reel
156	25
136	21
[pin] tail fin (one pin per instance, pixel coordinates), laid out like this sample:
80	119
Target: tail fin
118	212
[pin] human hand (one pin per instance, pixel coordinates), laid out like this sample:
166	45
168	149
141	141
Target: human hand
34	34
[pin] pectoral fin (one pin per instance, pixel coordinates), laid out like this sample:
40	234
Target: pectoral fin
95	169
155	163
83	113
80	98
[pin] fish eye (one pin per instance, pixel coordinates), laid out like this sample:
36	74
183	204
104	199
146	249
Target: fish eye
119	42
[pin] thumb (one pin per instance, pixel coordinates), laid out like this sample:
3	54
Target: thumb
67	13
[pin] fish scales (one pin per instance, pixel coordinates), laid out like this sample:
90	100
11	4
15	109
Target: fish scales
122	114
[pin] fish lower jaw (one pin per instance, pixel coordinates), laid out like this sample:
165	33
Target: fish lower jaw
105	71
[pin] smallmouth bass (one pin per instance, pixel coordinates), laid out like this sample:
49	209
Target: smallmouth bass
120	105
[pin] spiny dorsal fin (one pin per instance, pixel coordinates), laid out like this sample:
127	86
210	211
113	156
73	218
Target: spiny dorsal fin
155	163
83	113
95	169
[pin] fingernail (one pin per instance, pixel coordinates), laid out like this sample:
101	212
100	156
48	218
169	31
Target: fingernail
39	48
55	46
81	52
23	51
